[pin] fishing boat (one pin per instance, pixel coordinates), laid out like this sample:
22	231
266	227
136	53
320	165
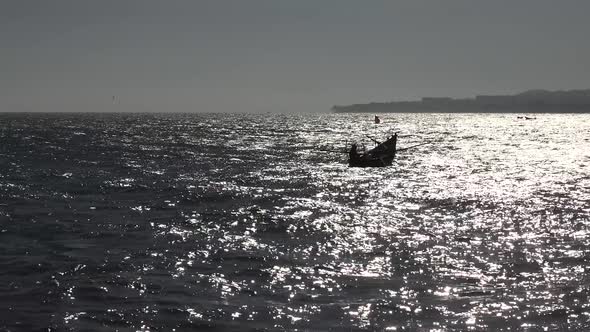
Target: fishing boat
380	156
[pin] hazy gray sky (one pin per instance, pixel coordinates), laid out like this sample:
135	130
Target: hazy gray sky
274	55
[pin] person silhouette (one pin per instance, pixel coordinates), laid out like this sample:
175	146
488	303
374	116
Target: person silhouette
353	153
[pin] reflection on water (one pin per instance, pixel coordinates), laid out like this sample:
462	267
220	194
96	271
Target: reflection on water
237	222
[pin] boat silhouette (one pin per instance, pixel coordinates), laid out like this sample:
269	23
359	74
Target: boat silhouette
380	156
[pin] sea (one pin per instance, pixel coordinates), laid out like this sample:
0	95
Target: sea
255	222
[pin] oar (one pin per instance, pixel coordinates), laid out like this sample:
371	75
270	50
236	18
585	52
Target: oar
335	151
413	146
374	140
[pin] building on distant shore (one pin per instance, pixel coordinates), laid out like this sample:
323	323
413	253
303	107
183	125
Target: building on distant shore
569	101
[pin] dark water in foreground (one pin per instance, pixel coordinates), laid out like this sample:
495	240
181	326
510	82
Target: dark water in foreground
246	222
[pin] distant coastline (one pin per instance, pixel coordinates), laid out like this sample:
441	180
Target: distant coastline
531	101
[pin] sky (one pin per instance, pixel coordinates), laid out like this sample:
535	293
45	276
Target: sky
282	56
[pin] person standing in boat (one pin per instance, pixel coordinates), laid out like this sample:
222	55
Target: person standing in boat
394	142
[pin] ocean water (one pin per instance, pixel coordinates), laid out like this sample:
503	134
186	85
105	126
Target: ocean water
219	222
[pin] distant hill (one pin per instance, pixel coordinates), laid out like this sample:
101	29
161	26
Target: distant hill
534	101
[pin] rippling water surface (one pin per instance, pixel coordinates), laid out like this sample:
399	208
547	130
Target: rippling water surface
255	222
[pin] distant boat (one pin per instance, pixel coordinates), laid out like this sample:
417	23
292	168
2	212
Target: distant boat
380	156
377	120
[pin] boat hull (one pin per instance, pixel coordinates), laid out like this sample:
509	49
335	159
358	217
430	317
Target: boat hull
380	156
371	162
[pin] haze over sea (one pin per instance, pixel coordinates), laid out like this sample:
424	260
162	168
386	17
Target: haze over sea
246	222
